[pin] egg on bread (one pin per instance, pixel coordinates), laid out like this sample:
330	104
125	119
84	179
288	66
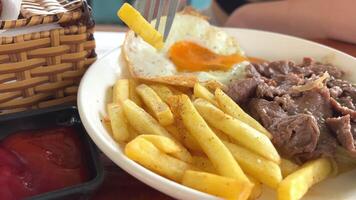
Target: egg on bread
194	51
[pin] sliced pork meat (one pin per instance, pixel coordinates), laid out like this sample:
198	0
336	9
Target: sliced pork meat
326	147
346	101
347	88
335	91
241	90
343	109
264	90
306	69
292	135
305	106
319	68
315	102
344	131
267	112
295	134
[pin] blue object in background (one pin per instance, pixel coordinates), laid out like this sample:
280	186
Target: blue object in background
200	4
104	11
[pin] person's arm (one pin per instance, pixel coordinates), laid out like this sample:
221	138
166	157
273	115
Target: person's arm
305	18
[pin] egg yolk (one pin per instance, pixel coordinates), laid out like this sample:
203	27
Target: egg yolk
193	57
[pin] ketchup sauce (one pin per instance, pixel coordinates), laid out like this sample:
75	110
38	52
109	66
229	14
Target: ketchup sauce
35	162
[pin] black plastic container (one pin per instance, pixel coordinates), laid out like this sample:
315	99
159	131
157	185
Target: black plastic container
51	117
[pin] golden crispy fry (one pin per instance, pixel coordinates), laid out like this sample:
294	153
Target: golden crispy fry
146	154
178	90
227	105
163	91
144	123
133	132
118	122
187	139
173	130
132	92
163	143
201	92
221	135
212	85
288	167
107	124
203	163
238	130
160	109
216	151
213	184
169	146
140	120
181	134
294	186
121	91
257	166
136	22
256	190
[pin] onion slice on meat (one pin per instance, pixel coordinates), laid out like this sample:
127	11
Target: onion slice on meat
317	83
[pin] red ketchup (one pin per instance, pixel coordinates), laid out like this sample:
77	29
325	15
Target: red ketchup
35	162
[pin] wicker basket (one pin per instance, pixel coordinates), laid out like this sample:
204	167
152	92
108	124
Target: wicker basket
44	69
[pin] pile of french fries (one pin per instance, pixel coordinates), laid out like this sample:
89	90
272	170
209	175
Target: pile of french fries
204	140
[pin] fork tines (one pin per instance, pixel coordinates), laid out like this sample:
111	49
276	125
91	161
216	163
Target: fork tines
151	9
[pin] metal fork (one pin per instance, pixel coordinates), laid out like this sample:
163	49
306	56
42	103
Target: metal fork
151	9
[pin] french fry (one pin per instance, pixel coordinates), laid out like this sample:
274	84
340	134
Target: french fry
288	167
294	186
146	154
257	166
132	92
228	105
256	190
121	91
238	130
107	124
213	184
203	163
160	109
144	123
133	132
201	92
187	139
212	85
118	123
216	151
140	120
181	134
136	22
163	143
221	135
173	130
163	91
169	146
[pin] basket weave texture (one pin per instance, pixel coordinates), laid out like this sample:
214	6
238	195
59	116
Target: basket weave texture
44	69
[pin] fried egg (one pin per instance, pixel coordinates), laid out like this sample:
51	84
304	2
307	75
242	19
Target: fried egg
194	51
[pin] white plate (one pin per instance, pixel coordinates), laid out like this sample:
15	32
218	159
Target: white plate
103	73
